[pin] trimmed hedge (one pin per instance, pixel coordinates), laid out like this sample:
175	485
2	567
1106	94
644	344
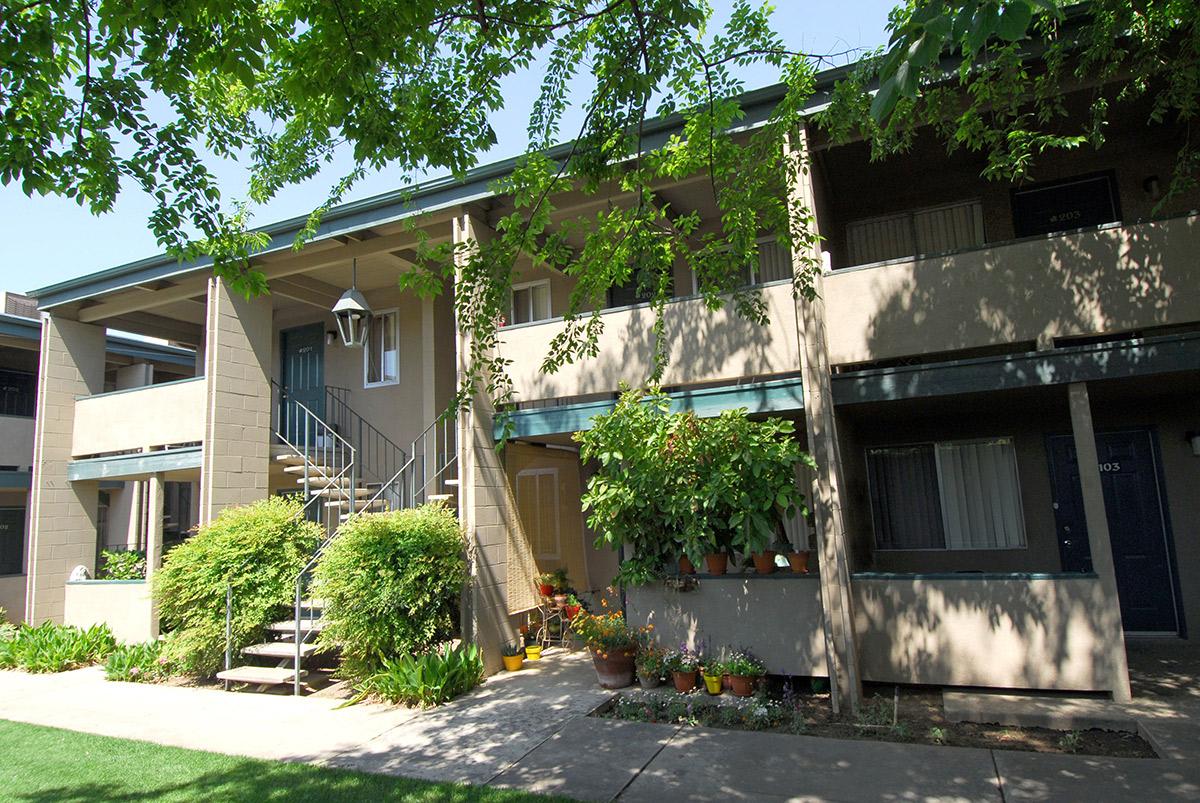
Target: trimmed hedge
391	584
258	549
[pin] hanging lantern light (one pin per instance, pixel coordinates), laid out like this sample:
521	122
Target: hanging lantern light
352	314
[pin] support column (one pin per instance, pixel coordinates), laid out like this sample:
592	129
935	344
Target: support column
483	499
62	517
1098	539
237	429
837	598
155	488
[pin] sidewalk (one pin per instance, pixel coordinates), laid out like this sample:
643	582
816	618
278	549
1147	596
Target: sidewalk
530	730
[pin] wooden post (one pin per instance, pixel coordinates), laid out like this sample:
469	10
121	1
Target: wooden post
1098	538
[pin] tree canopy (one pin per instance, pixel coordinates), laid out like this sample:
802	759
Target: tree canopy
97	96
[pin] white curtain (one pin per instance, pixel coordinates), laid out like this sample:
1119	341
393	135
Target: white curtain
797	528
981	495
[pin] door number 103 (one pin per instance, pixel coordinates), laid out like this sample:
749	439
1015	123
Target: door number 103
1109	468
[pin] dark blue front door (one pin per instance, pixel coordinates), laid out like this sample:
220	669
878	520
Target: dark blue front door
302	375
1136	522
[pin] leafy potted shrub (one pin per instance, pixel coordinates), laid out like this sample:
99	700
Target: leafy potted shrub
650	666
745	671
546	584
613	645
513	655
683	664
712	671
571	607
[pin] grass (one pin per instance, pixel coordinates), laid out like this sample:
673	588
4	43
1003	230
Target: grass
48	764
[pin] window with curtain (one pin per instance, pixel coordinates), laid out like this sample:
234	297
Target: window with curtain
381	357
933	230
537	503
774	264
530	302
946	495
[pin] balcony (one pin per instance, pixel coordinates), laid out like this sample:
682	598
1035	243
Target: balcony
1111	279
703	346
145	418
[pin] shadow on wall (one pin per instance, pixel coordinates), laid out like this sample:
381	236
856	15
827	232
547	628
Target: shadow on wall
1092	282
1015	633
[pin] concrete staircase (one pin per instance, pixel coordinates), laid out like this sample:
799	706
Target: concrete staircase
336	491
274	662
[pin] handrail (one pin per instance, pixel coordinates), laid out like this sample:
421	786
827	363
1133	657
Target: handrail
378	455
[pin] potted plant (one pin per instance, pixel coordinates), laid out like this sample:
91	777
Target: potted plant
683	666
650	666
712	671
613	645
571	606
745	672
686	566
546	584
513	655
798	561
533	652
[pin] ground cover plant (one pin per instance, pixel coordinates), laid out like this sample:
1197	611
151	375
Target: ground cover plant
51	764
256	549
426	680
138	663
123	565
391	584
51	647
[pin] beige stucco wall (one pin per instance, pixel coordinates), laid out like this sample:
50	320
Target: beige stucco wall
122	605
703	346
778	619
1114	279
16	441
1011	633
62	521
157	415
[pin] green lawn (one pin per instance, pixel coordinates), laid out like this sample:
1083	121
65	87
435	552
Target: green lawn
48	764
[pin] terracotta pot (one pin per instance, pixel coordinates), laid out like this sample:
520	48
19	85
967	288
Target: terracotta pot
545	589
764	562
513	662
684	681
712	684
685	565
524	630
613	669
799	562
726	682
743	685
649	681
570	611
716	562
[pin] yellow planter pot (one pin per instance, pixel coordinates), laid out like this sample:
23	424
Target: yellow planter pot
533	653
512	662
712	683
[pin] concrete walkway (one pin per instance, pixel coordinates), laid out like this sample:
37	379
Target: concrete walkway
530	730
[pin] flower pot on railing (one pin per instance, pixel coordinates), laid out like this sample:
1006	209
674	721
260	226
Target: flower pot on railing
685	565
764	562
716	562
798	561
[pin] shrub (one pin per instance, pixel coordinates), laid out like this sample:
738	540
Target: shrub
138	663
128	565
258	549
429	679
51	647
391	584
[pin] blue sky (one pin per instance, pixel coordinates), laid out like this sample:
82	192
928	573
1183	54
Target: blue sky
47	240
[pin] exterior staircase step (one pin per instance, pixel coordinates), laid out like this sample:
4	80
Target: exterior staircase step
333	490
314	471
289	626
260	675
280	649
361	503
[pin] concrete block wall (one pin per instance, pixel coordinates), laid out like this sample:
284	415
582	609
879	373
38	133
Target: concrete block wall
62	521
237	426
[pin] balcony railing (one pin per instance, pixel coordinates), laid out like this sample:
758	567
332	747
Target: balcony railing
167	414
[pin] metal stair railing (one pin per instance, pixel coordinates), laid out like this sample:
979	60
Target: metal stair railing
378	456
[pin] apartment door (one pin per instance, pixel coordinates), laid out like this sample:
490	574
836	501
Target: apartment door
302	374
1137	523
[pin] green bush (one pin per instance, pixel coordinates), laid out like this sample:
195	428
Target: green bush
391	584
258	549
138	663
429	679
127	565
51	647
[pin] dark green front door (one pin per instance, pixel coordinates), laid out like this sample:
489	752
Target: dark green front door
302	374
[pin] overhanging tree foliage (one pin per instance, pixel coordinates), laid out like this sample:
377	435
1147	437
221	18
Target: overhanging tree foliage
100	94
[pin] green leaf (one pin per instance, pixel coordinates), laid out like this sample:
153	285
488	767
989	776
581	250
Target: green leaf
1014	21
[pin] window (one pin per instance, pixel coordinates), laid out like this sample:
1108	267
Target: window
537	503
12	540
1063	205
18	391
946	495
381	357
934	230
530	302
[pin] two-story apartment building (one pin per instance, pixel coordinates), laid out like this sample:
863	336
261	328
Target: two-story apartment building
120	513
998	383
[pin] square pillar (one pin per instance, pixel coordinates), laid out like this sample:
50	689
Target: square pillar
237	428
62	514
484	508
1099	541
155	492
